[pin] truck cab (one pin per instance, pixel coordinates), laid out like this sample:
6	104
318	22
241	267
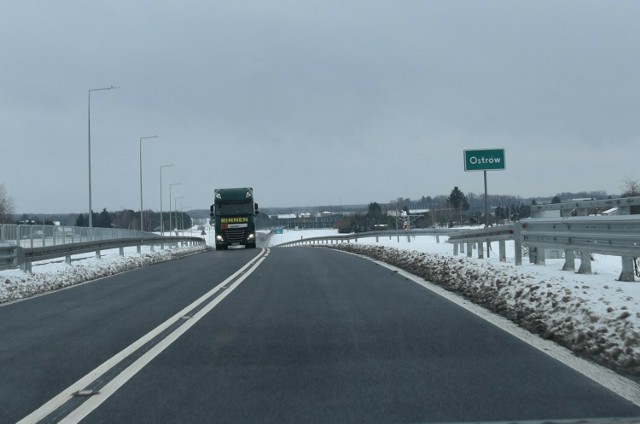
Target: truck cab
233	217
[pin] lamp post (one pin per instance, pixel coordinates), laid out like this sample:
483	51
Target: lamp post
161	218
141	207
175	208
170	186
111	87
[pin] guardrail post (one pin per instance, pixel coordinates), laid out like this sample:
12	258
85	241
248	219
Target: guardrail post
488	249
627	273
455	249
98	254
469	250
20	256
67	259
569	260
585	263
517	237
437	238
122	251
540	256
533	254
502	248
461	247
26	267
480	250
44	236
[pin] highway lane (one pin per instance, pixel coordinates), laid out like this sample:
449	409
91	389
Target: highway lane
48	342
315	335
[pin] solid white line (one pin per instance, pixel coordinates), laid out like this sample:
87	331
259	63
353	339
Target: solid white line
110	388
68	393
618	384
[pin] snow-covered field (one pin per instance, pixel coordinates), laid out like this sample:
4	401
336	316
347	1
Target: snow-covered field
594	315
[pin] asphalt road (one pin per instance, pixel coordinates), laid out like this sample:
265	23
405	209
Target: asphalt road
306	335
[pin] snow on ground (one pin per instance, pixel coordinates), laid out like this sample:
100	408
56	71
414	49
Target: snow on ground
595	316
56	274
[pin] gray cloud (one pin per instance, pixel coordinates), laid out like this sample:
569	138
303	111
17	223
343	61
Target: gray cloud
315	102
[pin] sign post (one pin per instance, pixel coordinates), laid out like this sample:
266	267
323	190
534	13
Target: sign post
484	160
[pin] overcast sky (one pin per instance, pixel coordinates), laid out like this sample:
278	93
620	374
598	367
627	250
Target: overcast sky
314	102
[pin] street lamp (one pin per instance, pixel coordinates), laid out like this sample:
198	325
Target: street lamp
111	87
170	185
141	207
161	218
175	208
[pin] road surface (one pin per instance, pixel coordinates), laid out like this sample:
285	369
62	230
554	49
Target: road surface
274	336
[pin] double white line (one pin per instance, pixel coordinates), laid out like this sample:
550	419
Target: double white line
65	407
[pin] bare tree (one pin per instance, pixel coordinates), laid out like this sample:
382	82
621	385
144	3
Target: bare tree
6	206
631	187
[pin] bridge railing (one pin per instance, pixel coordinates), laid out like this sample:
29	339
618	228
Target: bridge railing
30	236
20	245
342	238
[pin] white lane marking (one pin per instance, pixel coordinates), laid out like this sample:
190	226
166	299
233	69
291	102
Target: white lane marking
618	384
81	384
110	388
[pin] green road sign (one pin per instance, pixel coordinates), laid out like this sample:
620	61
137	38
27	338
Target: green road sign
484	160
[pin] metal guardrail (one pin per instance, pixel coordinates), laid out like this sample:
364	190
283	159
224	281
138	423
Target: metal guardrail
10	256
477	237
339	238
613	235
20	245
607	235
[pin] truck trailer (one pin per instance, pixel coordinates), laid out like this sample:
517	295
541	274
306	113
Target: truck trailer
233	217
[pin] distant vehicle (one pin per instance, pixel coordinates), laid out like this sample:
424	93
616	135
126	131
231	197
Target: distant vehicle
233	217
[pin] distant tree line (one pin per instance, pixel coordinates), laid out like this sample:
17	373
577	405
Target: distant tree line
124	219
442	211
373	219
457	208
